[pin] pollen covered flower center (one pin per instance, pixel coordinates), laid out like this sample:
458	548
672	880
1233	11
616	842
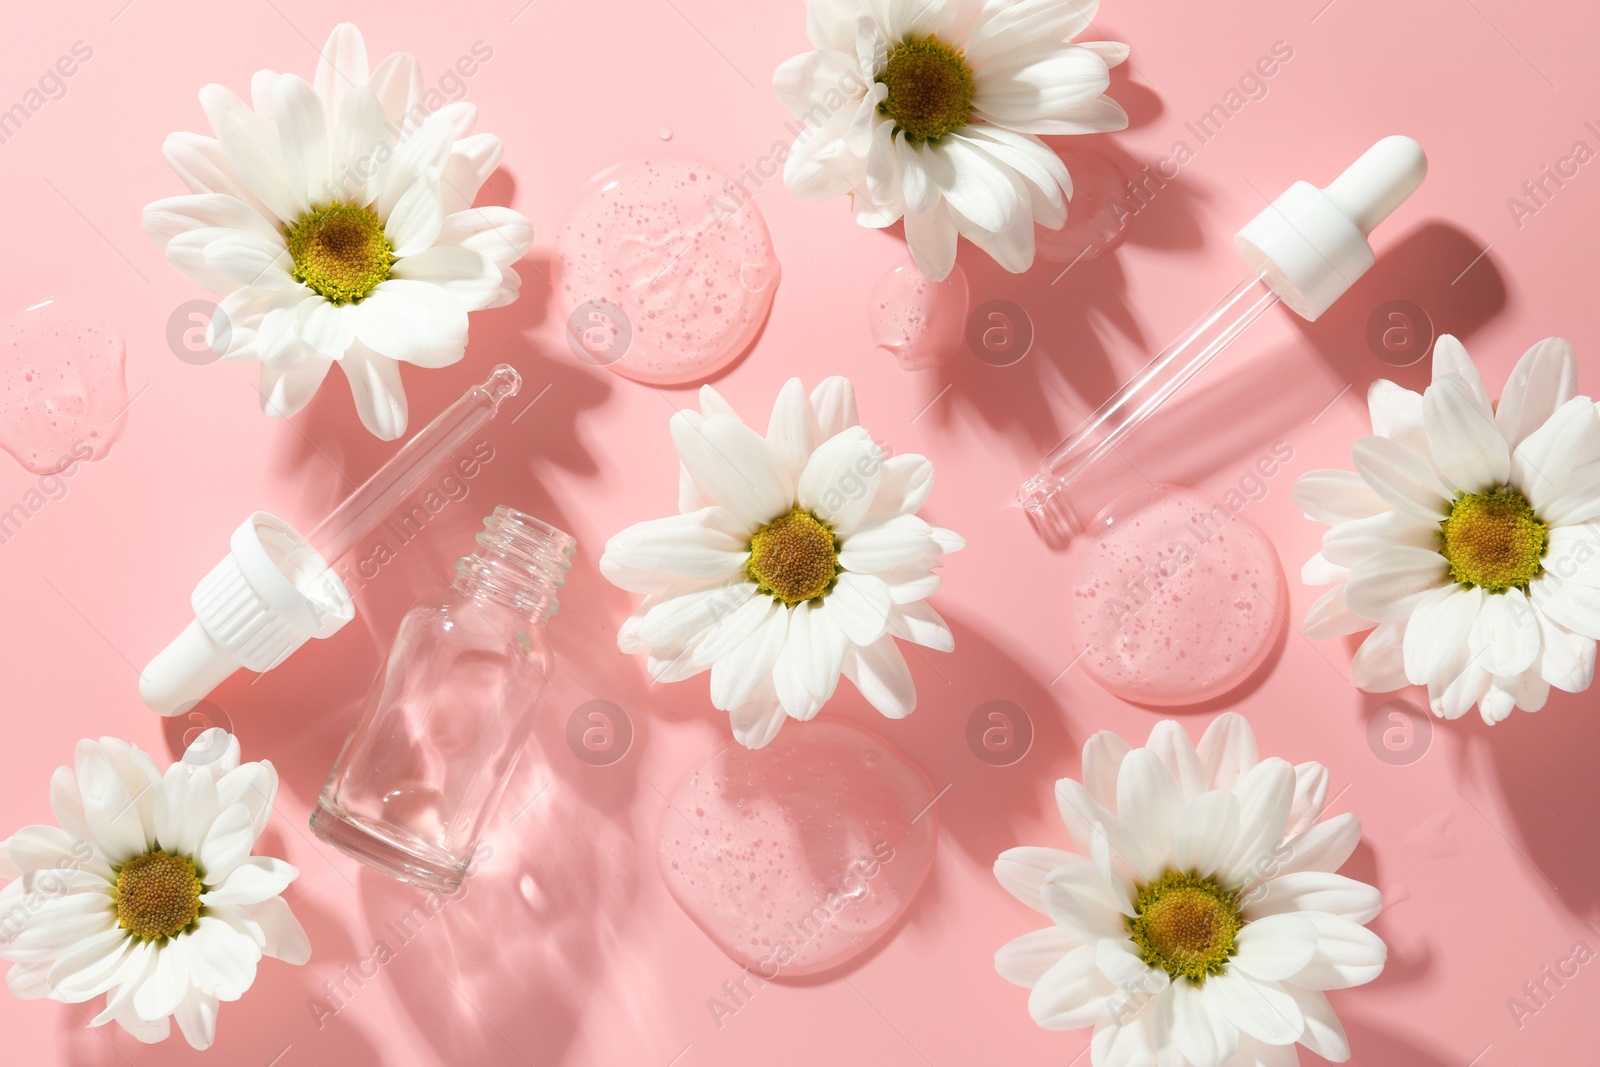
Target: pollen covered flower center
340	251
1185	925
930	88
157	895
1493	540
794	558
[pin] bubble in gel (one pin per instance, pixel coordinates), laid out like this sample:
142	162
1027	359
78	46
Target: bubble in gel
1176	599
685	255
918	321
63	390
1097	214
800	856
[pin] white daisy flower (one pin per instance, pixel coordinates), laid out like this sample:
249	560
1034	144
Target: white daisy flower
334	220
1469	537
930	111
1200	921
147	891
797	557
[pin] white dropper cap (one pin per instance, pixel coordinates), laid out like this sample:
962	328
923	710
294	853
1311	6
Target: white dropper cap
1311	244
270	594
275	590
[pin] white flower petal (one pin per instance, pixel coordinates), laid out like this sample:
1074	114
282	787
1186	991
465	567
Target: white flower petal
1206	832
109	805
1201	1034
255	879
227	843
1468	448
1438	628
1149	801
1331	617
222	960
931	240
1396	413
756	722
1332	496
1266	793
840	480
649	557
1324	1035
197	1019
1021	871
1348	954
291	379
1103	754
1077	898
884	544
1324	847
921	625
1275	947
736	674
1388	586
1379	664
733	465
1402	477
301	119
1351	543
1072	993
1264	1010
379	395
859	605
1504	639
1227	750
879	671
1025	960
1449	357
1545	463
251	145
1545	378
1320	891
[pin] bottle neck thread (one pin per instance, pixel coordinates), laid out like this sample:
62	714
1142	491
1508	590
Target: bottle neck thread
519	564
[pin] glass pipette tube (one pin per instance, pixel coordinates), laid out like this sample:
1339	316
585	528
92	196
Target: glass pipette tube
409	469
1143	394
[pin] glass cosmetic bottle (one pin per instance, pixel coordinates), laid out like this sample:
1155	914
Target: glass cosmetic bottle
450	710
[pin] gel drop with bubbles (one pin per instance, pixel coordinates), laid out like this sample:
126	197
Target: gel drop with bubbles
63	390
665	270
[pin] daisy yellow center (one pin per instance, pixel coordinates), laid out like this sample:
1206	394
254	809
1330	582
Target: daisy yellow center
340	251
794	558
1494	540
930	88
1185	925
157	895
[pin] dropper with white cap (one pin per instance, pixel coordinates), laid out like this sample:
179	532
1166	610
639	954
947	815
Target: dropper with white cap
276	589
1307	248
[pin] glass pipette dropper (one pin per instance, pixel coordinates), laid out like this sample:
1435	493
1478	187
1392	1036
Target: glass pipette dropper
276	589
1306	249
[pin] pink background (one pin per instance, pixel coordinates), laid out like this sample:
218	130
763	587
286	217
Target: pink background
567	949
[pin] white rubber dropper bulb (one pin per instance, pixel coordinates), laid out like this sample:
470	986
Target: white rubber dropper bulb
1310	245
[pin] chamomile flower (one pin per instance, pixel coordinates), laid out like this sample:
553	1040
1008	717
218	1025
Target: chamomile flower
146	891
334	219
1200	920
931	112
798	557
1466	540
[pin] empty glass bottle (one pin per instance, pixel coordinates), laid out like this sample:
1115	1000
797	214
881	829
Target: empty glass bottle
450	710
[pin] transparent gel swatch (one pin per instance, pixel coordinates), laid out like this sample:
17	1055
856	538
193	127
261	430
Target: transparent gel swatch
1175	599
1097	214
682	252
798	857
63	390
918	321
